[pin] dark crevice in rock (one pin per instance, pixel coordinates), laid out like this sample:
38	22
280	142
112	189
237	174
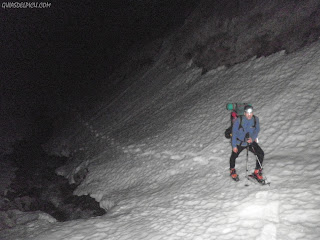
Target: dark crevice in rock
37	187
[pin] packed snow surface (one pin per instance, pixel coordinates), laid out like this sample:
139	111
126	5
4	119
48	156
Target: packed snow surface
159	162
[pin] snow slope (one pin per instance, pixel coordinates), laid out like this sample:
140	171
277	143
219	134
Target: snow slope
158	159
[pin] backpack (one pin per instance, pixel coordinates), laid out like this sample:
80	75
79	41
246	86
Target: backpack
238	111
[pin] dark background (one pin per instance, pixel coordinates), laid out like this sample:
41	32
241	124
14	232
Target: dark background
61	59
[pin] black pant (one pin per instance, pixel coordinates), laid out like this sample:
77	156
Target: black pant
254	148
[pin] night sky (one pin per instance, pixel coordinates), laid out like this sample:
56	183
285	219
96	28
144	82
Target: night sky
62	56
59	59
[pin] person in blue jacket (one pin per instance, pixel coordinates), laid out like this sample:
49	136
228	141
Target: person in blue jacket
245	132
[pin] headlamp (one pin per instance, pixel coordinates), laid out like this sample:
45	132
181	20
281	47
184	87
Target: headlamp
249	110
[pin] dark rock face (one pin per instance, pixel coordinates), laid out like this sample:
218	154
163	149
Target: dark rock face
37	187
227	32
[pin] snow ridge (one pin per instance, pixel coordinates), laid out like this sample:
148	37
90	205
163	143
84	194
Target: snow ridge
160	165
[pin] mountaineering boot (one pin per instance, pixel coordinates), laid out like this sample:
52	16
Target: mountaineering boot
234	175
257	174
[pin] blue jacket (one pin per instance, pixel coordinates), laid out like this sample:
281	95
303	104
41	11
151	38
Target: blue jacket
238	135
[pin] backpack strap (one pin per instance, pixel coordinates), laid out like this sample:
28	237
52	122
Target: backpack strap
254	120
240	124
